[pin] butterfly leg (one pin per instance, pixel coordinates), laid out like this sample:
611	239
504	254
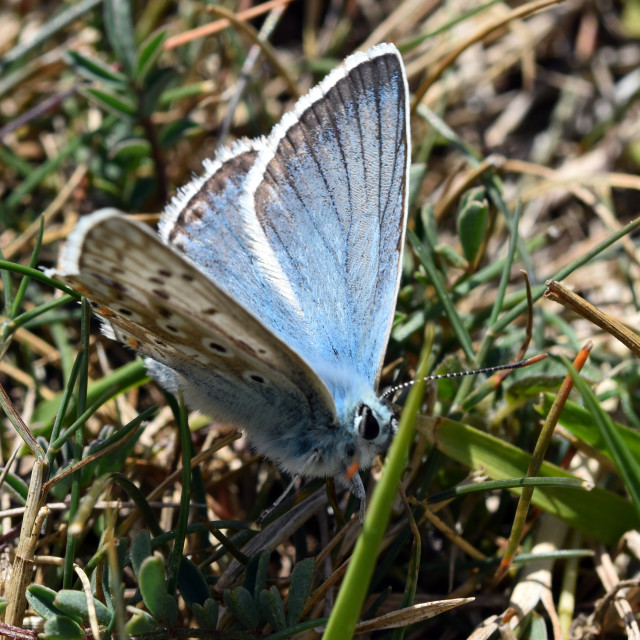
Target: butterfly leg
307	465
357	490
279	500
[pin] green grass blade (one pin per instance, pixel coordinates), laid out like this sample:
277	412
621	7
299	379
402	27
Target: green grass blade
443	295
353	591
625	460
501	460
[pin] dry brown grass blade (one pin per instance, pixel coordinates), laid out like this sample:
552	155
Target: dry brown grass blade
217	26
410	615
22	569
616	595
27	236
395	22
516	14
452	196
239	22
567	298
271	536
225	441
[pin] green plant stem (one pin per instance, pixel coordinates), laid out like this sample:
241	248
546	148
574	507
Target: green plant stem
353	591
78	446
183	514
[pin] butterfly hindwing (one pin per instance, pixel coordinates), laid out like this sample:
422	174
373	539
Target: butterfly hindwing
207	222
163	306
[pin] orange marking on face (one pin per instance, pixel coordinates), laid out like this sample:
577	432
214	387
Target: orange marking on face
352	470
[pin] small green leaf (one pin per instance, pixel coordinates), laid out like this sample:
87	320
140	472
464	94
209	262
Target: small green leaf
41	599
192	585
131	148
158	81
272	608
107	186
534	627
194	89
153	586
17	486
144	189
207	615
430	228
211	611
199	615
74	603
256	574
301	579
472	223
114	103
4	603
450	256
94	69
175	132
62	628
126	443
119	27
171	606
242	606
477	194
141	622
148	54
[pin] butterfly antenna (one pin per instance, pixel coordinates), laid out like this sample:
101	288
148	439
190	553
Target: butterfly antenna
459	374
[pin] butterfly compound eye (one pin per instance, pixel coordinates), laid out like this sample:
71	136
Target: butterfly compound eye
369	429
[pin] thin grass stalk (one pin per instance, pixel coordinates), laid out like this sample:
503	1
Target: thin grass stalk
22	287
537	458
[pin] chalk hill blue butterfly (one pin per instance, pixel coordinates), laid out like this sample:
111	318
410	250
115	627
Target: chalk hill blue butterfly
268	296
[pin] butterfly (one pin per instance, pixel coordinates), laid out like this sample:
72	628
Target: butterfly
267	298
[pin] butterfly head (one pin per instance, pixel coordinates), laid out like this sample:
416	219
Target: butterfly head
374	425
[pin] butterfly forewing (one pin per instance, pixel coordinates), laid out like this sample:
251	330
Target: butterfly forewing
329	192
